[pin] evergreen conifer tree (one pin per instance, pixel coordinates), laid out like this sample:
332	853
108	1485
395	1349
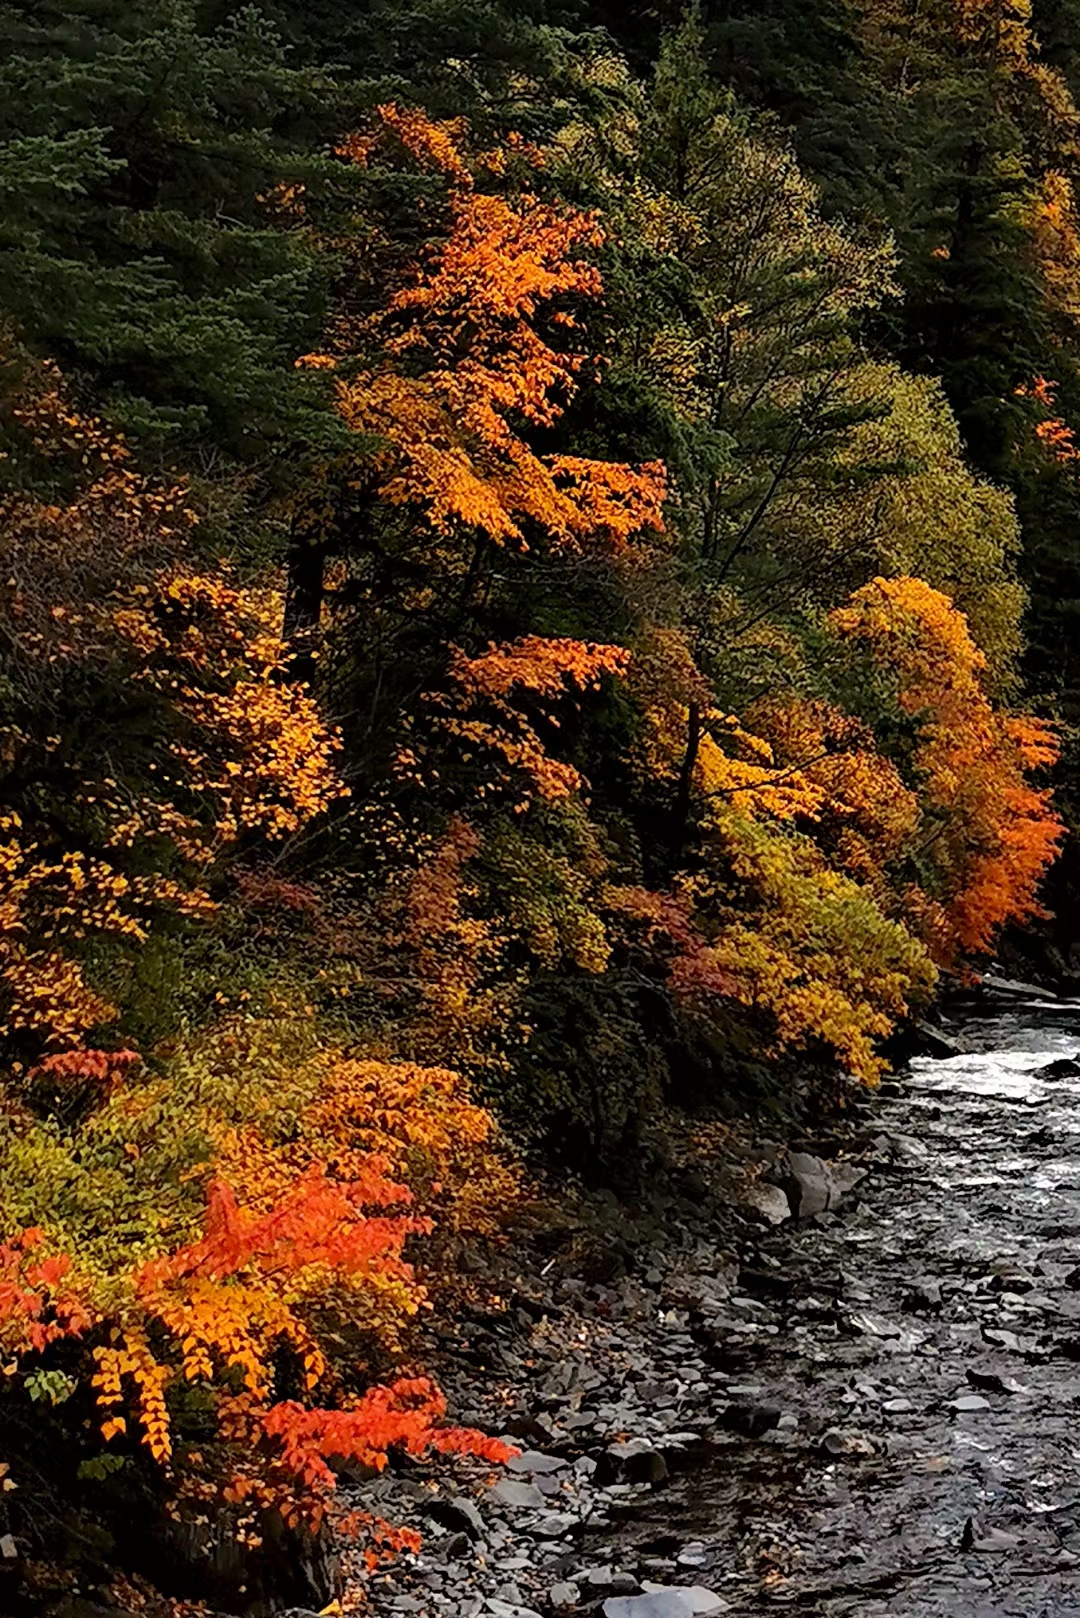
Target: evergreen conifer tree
162	185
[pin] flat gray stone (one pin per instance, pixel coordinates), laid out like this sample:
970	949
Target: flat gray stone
556	1525
699	1601
705	1602
531	1460
656	1604
969	1402
518	1494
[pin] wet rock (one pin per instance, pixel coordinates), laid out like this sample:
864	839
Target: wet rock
901	1149
978	1537
766	1283
1014	988
557	1525
1011	1278
769	1202
531	1460
934	1042
874	1325
750	1419
836	1443
1065	1067
1004	1339
520	1495
695	1555
924	1297
635	1461
993	1382
625	1584
815	1186
459	1514
969	1403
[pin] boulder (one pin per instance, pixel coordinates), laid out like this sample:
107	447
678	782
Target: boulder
978	1537
769	1202
816	1186
750	1419
636	1461
1065	1067
460	1515
926	1040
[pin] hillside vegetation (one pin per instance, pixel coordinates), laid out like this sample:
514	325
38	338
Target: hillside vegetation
539	582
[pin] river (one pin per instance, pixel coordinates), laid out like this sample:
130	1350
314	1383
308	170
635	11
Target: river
913	1359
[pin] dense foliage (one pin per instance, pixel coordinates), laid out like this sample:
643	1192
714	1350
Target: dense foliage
515	605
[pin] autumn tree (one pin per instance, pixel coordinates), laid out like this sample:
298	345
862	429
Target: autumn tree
450	384
989	834
113	626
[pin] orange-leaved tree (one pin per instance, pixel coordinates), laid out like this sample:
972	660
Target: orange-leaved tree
988	834
453	368
477	347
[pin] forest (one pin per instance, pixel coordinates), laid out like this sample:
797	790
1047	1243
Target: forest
540	588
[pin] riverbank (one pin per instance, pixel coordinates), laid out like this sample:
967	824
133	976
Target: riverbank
836	1373
868	1411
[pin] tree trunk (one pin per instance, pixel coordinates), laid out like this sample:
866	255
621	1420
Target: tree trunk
303	605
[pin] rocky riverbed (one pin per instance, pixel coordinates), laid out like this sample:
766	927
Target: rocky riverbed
871	1409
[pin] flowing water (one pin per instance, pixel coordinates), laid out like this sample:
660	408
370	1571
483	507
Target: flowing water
927	1359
